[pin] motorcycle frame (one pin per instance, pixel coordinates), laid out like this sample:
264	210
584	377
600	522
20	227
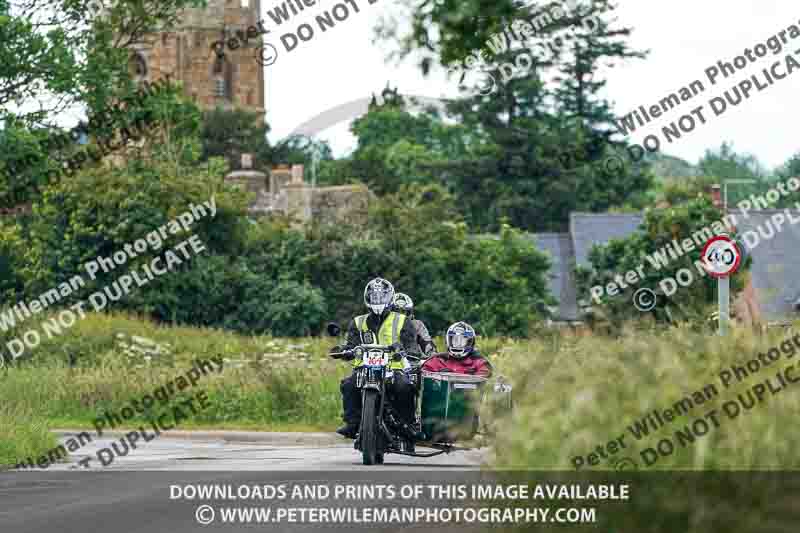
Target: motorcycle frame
380	387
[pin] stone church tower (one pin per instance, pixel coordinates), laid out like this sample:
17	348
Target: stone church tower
233	81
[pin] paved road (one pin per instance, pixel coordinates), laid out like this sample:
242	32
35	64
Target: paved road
133	494
251	451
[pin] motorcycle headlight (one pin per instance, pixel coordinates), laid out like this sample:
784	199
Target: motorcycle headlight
359	352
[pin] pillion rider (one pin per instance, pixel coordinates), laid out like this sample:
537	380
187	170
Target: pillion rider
404	304
387	327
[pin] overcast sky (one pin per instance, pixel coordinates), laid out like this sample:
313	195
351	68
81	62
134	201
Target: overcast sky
685	37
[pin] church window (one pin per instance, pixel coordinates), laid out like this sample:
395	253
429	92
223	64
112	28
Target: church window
222	76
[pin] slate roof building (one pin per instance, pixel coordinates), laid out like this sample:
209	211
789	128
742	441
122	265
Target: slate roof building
775	273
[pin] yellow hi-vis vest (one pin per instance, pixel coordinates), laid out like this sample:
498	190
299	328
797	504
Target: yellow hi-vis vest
389	334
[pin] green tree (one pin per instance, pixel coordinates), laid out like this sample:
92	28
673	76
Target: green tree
230	133
399	147
417	239
726	164
12	252
537	146
791	168
302	150
64	56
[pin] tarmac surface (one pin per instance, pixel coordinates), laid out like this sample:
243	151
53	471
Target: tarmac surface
135	493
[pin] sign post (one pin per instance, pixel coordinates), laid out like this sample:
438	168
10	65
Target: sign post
721	258
724	302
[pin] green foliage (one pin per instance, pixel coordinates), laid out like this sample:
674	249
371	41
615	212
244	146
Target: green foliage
416	240
63	56
668	167
678	191
660	227
24	433
790	168
582	392
286	307
267	384
231	133
534	172
397	147
299	149
12	247
97	213
535	149
724	162
23	164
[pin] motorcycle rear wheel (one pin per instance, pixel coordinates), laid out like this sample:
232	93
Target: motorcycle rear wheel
369	429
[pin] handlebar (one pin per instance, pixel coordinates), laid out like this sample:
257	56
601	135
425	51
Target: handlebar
353	353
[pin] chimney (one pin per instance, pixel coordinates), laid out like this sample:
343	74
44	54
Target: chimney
716	195
297	174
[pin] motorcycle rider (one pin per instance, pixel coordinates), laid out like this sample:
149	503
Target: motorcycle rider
404	304
386	327
462	357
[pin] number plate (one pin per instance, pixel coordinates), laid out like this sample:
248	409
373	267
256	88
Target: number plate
376	358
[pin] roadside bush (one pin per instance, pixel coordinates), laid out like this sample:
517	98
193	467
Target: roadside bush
99	211
287	308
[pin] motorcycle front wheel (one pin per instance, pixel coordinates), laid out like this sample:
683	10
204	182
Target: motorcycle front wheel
369	429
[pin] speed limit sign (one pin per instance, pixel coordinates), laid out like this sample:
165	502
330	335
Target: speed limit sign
721	256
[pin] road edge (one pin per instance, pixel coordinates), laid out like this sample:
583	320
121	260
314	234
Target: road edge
278	438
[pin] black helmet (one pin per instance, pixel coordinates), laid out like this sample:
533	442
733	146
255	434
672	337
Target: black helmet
378	295
460	340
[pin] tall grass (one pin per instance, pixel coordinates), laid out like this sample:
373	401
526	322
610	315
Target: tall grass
266	384
573	395
23	433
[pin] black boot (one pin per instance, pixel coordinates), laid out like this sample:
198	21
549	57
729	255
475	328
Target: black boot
348	430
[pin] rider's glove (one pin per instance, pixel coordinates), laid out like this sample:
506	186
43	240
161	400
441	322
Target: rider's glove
335	352
398	351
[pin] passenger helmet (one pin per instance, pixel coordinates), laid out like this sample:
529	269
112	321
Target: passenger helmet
460	340
378	295
403	304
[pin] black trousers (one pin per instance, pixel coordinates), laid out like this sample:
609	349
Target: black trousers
401	394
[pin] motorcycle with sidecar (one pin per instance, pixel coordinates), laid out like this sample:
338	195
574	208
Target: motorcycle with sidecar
447	404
